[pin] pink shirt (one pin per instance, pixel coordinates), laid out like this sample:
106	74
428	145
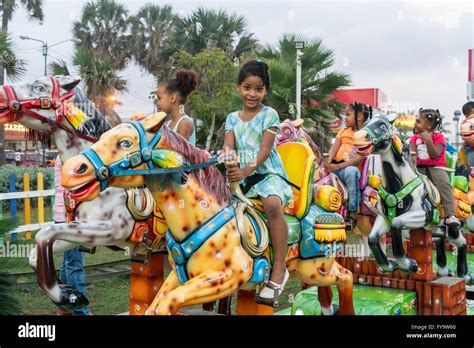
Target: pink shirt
422	155
59	210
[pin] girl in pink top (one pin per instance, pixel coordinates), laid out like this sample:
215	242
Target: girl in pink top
430	148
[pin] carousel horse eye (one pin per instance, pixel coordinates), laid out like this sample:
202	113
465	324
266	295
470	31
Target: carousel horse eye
39	89
125	143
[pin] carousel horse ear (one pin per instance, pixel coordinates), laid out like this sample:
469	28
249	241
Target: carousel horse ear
392	117
298	123
68	82
153	121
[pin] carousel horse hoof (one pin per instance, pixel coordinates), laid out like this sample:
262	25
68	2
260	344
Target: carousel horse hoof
392	266
335	310
71	299
271	292
412	268
469	279
450	274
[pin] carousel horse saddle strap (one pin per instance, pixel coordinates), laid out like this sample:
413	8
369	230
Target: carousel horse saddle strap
392	200
181	252
256	178
248	220
433	193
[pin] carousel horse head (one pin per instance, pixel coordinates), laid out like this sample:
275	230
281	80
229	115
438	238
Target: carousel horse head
293	131
137	145
378	137
290	131
467	131
43	104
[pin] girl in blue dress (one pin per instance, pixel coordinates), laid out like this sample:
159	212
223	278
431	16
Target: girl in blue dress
251	131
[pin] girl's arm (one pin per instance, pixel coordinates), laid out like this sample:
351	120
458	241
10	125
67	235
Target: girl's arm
434	150
186	128
265	147
238	174
229	141
333	149
352	162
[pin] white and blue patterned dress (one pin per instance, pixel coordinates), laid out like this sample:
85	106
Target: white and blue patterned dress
248	136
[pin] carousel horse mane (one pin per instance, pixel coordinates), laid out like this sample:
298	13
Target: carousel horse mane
209	178
96	124
400	151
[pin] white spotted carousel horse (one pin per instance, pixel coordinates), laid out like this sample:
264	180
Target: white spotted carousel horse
292	131
117	218
56	107
216	245
408	200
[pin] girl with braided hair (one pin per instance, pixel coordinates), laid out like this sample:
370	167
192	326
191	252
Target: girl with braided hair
172	95
252	131
430	147
344	161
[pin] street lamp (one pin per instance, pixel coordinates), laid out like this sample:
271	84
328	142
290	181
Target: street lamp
45	54
299	46
456	118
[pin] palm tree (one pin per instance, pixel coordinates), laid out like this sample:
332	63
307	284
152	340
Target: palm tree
59	67
101	81
14	67
318	84
207	29
151	28
104	27
34	9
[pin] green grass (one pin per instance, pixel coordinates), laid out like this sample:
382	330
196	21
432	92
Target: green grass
106	297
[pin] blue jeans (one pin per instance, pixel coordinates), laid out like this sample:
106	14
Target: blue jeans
72	274
351	176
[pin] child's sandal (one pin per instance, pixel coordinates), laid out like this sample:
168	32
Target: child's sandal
271	292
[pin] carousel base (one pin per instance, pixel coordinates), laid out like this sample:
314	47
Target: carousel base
368	300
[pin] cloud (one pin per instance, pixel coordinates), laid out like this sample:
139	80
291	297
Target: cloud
413	51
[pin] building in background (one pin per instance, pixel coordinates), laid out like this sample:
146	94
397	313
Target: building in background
370	96
15	138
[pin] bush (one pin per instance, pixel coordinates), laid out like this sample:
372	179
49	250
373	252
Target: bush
18	171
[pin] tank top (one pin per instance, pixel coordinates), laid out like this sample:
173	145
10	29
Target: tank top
192	138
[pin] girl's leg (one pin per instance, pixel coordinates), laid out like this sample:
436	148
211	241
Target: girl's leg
279	233
351	176
441	180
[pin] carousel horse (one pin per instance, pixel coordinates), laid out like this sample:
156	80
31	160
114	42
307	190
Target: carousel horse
55	107
133	222
292	131
408	199
217	245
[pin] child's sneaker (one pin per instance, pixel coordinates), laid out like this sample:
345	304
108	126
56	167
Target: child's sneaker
452	220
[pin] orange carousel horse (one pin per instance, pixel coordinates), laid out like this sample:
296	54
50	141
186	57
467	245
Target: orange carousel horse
217	244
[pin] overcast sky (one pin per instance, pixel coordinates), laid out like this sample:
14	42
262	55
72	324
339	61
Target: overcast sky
415	52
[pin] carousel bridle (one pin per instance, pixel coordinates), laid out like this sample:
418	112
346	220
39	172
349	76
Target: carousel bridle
17	106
